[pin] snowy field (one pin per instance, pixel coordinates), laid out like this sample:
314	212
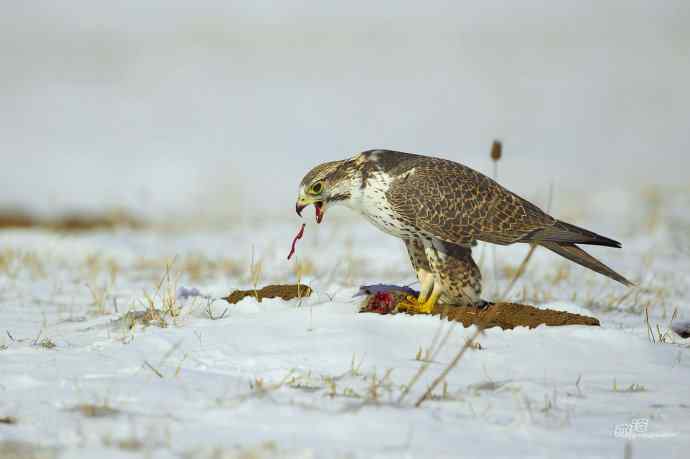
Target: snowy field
199	118
79	378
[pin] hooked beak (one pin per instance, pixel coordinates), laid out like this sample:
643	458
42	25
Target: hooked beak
299	208
303	202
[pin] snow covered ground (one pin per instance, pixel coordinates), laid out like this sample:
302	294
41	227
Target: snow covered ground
313	378
195	116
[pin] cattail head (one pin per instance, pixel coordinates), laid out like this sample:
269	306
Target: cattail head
496	150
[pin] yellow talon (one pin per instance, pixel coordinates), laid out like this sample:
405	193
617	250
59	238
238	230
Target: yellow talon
413	305
409	303
426	307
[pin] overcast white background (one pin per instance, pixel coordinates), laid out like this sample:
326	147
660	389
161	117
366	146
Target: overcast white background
162	105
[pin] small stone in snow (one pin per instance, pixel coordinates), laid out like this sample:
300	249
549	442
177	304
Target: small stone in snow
682	329
183	293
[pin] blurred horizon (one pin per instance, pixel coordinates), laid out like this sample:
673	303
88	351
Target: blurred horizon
220	108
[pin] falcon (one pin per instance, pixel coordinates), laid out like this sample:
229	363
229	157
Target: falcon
440	209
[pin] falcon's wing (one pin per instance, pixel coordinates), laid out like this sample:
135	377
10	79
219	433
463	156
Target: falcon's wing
459	205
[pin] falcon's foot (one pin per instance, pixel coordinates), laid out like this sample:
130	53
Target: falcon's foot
413	305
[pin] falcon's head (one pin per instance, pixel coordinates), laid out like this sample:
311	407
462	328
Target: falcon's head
326	184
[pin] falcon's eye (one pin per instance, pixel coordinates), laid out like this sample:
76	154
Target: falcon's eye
316	188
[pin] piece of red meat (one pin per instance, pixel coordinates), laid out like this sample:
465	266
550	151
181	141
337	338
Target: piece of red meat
381	303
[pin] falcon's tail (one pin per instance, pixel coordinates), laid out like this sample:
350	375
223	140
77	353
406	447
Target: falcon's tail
574	253
565	233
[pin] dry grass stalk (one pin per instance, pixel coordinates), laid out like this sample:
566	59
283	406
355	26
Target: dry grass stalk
99	296
442	377
661	337
15	449
427	362
255	271
166	291
496	155
96	411
155	371
47	343
520	271
209	311
523	266
650	333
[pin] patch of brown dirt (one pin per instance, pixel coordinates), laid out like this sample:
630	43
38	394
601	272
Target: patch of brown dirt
9	420
286	292
511	315
16	219
76	222
504	315
96	411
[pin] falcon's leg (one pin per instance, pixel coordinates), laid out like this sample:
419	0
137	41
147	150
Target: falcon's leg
420	263
457	273
426	280
455	278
